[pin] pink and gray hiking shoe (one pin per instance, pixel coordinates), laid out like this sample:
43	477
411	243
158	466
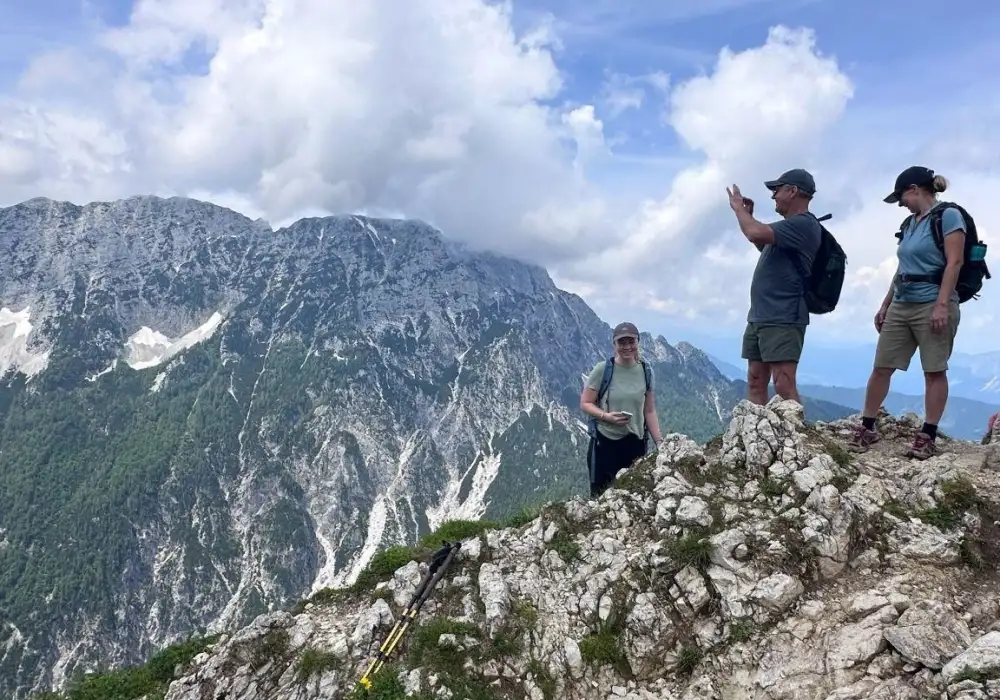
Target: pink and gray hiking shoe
923	447
862	439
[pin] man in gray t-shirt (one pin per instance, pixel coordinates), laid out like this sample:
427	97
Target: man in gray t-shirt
777	320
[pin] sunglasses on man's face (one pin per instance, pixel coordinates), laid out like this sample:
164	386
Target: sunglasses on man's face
626	341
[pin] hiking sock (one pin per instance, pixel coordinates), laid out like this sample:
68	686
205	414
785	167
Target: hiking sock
869	423
930	430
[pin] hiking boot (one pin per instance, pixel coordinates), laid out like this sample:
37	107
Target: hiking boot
923	447
862	439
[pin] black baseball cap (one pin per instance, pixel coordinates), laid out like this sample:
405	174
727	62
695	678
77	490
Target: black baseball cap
797	177
914	175
625	330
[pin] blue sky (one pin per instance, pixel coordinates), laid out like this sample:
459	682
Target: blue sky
896	54
506	162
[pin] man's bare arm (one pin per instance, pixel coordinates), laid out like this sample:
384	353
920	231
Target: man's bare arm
758	233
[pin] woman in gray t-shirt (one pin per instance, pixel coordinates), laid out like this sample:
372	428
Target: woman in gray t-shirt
623	414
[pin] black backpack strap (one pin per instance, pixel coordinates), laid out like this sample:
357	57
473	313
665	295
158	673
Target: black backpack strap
934	217
937	228
902	229
806	274
609	368
602	389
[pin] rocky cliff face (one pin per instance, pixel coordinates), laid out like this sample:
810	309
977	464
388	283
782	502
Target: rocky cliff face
769	564
204	419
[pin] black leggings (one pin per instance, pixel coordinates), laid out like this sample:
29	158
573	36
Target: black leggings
606	456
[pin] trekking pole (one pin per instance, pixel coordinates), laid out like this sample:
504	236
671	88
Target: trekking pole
439	564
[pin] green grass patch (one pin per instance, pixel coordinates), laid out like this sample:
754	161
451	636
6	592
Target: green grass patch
543	679
456	530
841	482
525	612
741	630
699	471
384	564
967	674
692	549
312	662
715	444
425	649
386	686
565	546
450	661
771	488
958	496
896	509
605	647
270	646
522	517
840	455
688	658
637	479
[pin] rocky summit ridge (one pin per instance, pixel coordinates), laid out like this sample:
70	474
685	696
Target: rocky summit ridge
768	564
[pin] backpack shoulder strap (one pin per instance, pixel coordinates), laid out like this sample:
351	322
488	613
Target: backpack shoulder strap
609	368
902	227
934	217
647	372
937	214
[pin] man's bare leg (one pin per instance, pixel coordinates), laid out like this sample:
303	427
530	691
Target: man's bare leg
784	380
758	378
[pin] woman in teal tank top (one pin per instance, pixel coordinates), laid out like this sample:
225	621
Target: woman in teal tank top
920	310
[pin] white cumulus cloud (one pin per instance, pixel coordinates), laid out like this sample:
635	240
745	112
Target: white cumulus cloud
434	108
759	113
438	109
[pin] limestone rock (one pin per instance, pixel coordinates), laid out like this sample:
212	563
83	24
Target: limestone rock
710	581
929	633
981	658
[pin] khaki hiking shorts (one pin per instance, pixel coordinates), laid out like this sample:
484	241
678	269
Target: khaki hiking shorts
907	328
770	342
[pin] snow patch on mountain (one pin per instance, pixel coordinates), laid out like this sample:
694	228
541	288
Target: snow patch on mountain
148	348
15	327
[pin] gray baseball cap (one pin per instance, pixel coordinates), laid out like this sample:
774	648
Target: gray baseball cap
797	177
625	330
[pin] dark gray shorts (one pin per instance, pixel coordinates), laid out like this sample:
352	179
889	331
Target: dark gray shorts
772	342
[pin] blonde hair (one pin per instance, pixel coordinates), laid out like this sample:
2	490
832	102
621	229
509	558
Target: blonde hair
940	183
